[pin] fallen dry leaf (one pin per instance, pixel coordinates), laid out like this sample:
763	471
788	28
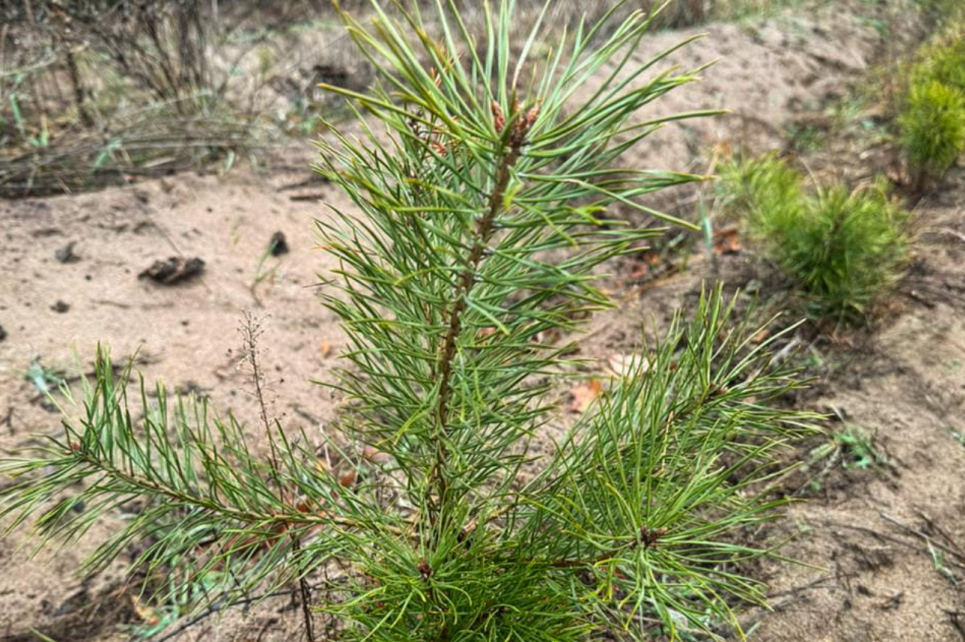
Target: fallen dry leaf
584	394
373	454
146	613
726	241
761	336
347	479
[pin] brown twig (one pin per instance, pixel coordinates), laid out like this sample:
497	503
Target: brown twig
305	593
251	332
941	531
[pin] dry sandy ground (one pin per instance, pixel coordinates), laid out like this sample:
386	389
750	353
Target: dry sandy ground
871	581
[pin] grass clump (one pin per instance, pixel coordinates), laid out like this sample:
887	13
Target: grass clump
433	507
845	249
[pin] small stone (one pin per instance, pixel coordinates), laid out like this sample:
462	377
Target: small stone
278	245
60	307
66	254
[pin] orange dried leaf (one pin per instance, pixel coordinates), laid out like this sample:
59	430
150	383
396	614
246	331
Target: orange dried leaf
373	454
146	613
726	241
584	394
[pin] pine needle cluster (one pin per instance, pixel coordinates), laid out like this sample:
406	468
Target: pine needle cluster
486	190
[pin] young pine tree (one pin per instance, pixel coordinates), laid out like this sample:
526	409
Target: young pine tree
484	199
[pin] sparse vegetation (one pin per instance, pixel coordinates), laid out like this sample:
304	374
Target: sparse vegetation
845	249
95	93
859	448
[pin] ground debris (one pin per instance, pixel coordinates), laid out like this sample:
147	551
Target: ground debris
173	271
583	395
66	254
278	244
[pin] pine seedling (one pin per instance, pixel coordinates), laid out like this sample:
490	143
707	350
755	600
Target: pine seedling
845	249
944	61
932	117
486	192
933	128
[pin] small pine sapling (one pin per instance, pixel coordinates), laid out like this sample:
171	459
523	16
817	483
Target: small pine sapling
844	249
932	129
481	207
943	59
932	117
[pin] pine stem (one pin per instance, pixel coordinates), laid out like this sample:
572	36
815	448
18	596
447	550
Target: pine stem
486	226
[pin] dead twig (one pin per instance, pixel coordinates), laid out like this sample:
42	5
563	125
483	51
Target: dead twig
934	526
955	617
251	331
221	605
957	554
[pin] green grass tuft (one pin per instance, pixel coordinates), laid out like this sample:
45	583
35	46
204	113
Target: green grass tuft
845	249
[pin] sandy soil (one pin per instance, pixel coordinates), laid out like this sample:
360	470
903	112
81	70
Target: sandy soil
868	579
878	536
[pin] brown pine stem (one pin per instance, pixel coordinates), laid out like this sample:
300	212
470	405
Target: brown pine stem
485	228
